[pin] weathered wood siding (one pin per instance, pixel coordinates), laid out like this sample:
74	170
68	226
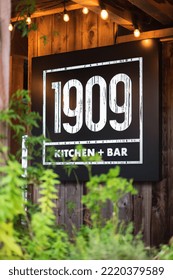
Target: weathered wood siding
152	208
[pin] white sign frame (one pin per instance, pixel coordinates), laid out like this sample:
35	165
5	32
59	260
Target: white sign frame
92	142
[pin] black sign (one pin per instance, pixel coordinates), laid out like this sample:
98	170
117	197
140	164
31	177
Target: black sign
105	100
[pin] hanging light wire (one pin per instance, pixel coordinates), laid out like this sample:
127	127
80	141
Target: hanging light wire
66	17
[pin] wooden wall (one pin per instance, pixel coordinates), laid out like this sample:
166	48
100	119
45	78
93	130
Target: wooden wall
152	208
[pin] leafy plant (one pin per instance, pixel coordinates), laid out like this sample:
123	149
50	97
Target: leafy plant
104	244
44	38
30	231
11	207
103	188
107	239
166	251
24	9
46	240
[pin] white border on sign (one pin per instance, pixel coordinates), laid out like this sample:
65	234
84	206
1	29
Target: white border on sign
139	140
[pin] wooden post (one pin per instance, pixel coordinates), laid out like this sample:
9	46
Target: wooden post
5	11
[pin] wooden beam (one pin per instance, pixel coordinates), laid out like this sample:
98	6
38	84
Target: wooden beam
115	15
93	5
165	7
151	10
162	34
87	3
50	12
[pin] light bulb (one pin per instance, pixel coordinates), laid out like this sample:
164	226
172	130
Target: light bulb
10	27
85	10
28	20
136	33
66	17
104	14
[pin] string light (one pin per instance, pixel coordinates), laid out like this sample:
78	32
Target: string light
85	10
28	20
10	27
66	17
136	32
104	14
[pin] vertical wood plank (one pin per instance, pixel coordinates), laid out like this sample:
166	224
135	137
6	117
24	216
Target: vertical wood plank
61	205
59	34
90	34
126	208
44	35
147	205
106	32
16	83
168	90
78	30
32	52
71	212
142	211
138	215
16	80
71	30
159	225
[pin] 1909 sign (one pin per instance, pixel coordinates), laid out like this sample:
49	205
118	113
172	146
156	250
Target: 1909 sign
126	108
106	99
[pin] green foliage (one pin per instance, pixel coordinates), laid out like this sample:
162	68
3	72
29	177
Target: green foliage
19	116
86	159
44	38
24	9
103	188
27	232
107	239
166	251
46	241
104	244
11	207
30	231
21	121
24	27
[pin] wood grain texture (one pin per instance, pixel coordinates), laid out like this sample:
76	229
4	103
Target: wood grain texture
58	35
152	10
168	97
44	35
70	207
126	208
106	32
166	34
159	213
90	35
